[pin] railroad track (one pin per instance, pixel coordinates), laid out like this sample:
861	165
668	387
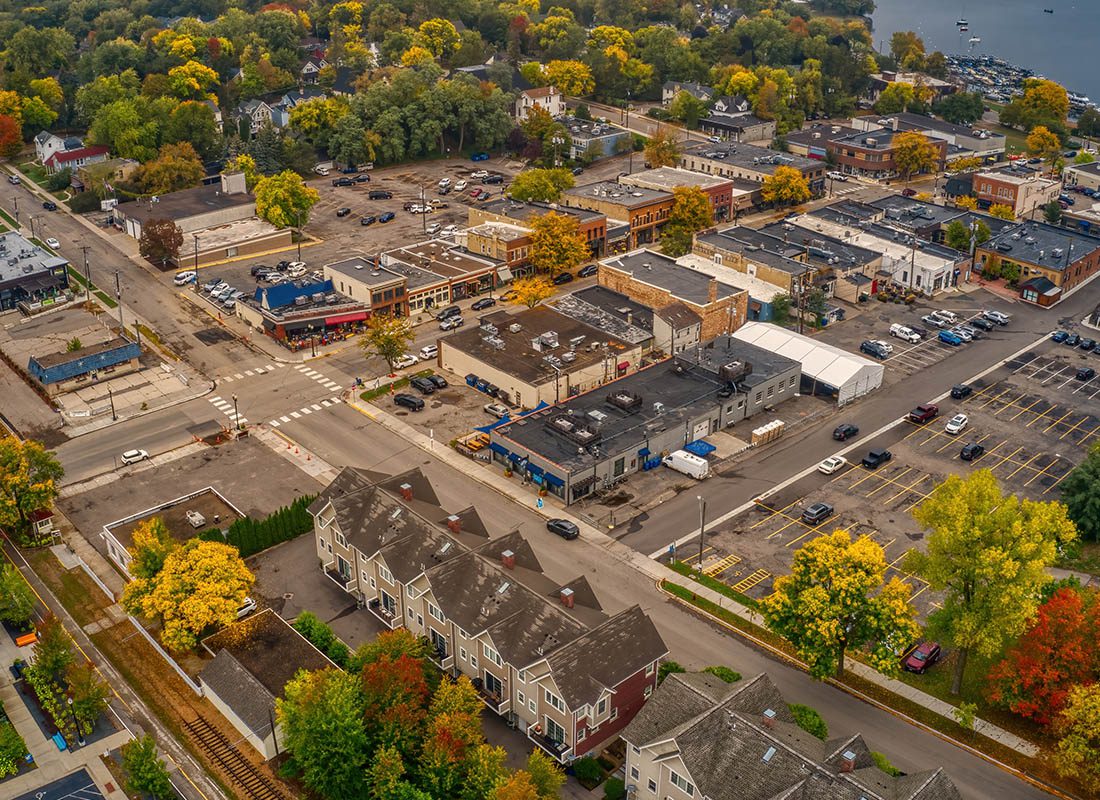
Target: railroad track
236	767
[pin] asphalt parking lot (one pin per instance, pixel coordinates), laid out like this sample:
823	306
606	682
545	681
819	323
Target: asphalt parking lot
449	413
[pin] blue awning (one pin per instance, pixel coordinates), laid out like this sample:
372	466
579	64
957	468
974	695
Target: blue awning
643	452
534	469
496	448
699	448
553	480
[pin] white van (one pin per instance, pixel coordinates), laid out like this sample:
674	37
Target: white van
688	464
428	351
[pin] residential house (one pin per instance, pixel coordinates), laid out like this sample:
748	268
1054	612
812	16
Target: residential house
543	654
699	736
732	118
256	112
345	81
670	89
75	159
216	111
548	98
46	144
312	67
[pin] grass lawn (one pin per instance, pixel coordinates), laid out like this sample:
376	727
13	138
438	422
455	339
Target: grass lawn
400	383
36	172
76	278
1088	560
713	583
8	218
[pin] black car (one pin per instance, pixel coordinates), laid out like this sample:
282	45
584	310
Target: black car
845	431
388	216
492	179
1072	340
817	513
961	390
282	265
448	312
343	212
409	401
422	385
257	269
361	179
49	205
589	271
876	458
873	349
971	451
438	381
370	220
1087	344
562	278
563	528
485	302
1086	374
982	323
379	194
343	182
921	332
578	170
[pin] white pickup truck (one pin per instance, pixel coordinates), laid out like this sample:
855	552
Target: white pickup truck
904	333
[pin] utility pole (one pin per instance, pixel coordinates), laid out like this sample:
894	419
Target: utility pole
196	238
118	299
111	395
16	199
87	276
298	225
702	528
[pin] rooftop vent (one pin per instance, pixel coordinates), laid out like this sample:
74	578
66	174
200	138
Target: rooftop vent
768	755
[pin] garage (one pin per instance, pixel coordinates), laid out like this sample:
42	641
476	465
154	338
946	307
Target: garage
826	369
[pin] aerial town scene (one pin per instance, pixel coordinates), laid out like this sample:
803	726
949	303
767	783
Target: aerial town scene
585	399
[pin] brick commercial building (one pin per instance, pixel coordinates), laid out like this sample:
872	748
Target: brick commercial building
748	163
871	154
963	141
543	654
1052	261
655	280
719	191
1025	192
592	225
644	210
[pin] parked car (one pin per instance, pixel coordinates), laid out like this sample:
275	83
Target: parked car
343	212
1059	336
479	157
817	513
876	458
406	360
831	464
836	176
982	324
589	271
1085	373
563	528
368	220
493	180
562	278
343	182
479	174
209	286
924	413
411	402
1073	340
433	229
448	311
957	424
973	333
908	192
961	390
483	195
485	302
361	178
1087	344
444	183
187	276
921	657
966	336
934	321
904	333
428	351
387	217
438	381
461	186
14	180
944	314
49	205
971	451
996	316
873	349
451	323
449	230
246	608
53	243
380	194
844	431
495	410
133	457
921	332
886	346
951	338
422	385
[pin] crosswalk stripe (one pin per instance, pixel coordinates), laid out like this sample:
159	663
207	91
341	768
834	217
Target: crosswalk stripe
306	411
326	403
238	376
248	372
295	414
284	418
274	423
215	400
280	364
227	379
316	406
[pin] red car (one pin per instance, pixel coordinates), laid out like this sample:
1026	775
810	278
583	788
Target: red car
907	192
921	657
475	192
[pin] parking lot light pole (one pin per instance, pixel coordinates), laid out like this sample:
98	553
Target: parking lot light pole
111	395
236	416
702	527
195	236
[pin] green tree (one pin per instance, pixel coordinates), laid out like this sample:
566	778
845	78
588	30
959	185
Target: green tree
785	186
1077	754
961	108
667	668
837	597
438	36
987	554
194	123
913	153
809	720
557	244
73	345
177	166
690	213
1045	144
1052	212
546	775
388	337
1042	102
662	149
53	652
322	719
781	309
16	597
1084	157
28	481
957	235
152	543
897	96
284	200
13	750
687	108
89	694
1081	494
160	241
907	49
144	770
543	185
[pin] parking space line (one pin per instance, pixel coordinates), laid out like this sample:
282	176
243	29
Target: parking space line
899	476
1025	465
1054	375
1024	410
810	531
1051	425
995	397
1080	422
1060	478
906	489
752	580
789	524
695	555
719	567
773	512
1089	435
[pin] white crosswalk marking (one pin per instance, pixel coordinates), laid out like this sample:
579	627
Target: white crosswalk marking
316	406
238	376
274	423
227	379
295	414
305	411
326	403
248	372
284	418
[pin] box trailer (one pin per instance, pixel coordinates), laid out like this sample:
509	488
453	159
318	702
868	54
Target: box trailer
685	462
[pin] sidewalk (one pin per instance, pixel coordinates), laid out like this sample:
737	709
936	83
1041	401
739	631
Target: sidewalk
656	571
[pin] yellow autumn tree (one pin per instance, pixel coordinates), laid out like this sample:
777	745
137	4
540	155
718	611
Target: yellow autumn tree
532	291
201	584
966	201
1002	211
557	244
837	597
785	186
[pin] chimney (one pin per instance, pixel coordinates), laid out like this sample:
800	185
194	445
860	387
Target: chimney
454	524
847	761
894	125
629	317
712	291
508	559
769	718
406	490
567	597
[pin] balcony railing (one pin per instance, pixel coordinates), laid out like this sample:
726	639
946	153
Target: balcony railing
390	619
494	701
559	750
343	581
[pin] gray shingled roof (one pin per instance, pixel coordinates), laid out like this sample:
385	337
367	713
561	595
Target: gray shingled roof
239	690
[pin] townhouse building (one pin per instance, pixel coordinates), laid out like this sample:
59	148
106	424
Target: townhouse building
544	655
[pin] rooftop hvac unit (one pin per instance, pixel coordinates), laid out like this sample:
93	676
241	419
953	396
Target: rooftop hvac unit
301	300
569	357
597	416
515	327
627	401
734	371
318	297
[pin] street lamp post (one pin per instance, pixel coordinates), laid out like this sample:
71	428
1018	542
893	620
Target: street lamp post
236	416
111	395
79	733
118	299
195	236
702	527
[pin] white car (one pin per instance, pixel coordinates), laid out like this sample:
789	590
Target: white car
837	176
433	228
296	272
296	264
481	173
461	185
996	316
247	607
406	360
902	332
133	456
52	242
449	230
187	276
276	279
886	346
444	183
831	464
957	424
496	410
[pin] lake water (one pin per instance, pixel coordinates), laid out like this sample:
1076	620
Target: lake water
1059	46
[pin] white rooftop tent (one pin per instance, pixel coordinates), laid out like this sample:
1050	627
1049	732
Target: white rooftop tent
852	376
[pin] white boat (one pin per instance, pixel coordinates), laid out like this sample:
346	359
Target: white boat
962	22
964	28
975	40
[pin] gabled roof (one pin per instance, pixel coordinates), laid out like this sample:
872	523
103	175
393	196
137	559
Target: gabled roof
681	698
45	136
605	656
91	151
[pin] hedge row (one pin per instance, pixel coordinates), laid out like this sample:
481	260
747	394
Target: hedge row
250	536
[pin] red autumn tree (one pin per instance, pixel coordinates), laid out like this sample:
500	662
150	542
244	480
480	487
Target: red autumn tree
11	137
396	702
1056	653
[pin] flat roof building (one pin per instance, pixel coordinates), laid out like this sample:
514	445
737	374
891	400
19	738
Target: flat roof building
645	210
586	443
721	193
748	162
65	371
29	274
191	209
1051	261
